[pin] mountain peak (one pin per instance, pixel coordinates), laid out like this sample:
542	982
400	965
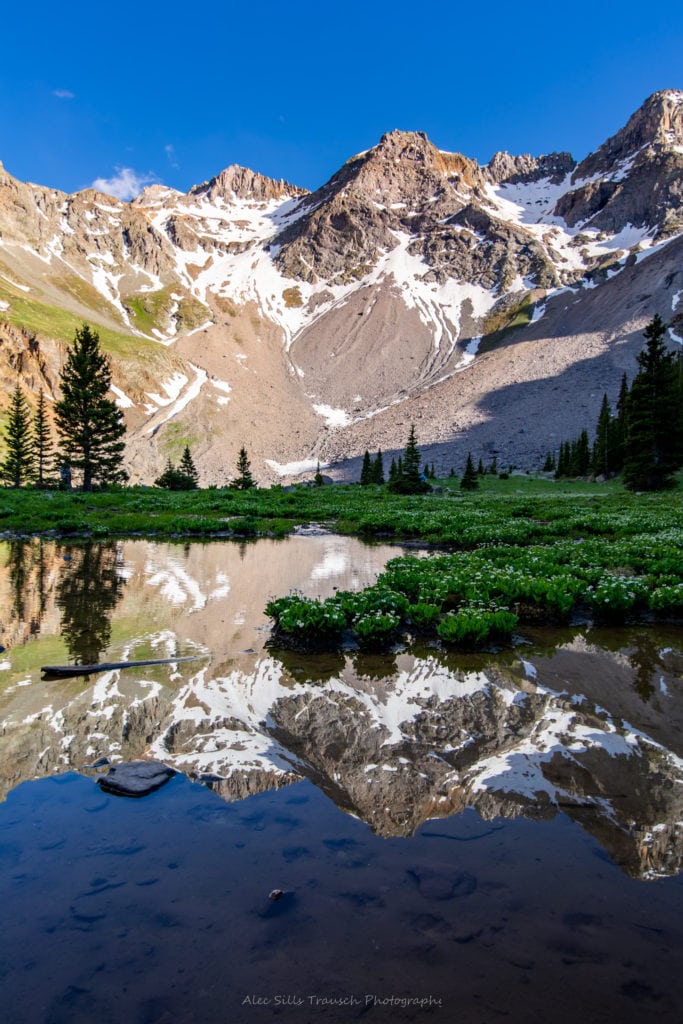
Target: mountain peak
508	169
412	150
658	123
245	184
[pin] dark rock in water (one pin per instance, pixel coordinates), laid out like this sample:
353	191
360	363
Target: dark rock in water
275	894
101	762
136	778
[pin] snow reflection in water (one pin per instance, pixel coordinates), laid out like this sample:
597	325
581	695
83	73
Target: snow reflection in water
574	726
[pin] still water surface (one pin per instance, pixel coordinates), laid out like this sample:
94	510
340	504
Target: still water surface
458	838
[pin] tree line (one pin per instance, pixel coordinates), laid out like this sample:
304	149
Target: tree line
90	432
90	427
643	438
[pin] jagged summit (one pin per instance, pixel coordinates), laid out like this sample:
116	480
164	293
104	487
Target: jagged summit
245	184
636	177
505	168
656	125
355	308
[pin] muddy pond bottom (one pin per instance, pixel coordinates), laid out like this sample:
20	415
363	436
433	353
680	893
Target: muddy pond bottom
158	910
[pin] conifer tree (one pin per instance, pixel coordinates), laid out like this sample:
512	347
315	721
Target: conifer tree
408	478
618	427
90	425
582	454
378	468
393	470
494	466
188	468
244	478
366	470
318	478
601	461
17	466
653	448
411	456
42	441
469	481
549	464
174	479
480	467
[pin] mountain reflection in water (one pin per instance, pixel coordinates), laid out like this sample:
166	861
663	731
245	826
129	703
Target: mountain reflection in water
585	723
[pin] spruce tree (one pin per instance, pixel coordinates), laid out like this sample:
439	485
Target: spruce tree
618	428
42	441
653	448
549	464
469	481
318	478
366	470
408	478
173	479
601	460
393	470
17	466
244	478
411	457
188	468
480	467
583	453
378	468
90	425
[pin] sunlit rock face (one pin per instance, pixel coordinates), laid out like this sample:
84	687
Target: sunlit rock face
475	299
569	728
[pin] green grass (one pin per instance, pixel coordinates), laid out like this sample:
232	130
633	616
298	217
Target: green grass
520	510
498	326
149	310
40	317
523	550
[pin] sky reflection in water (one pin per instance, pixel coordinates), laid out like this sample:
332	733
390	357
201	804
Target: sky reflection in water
566	750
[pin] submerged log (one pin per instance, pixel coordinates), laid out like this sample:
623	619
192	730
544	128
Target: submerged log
69	671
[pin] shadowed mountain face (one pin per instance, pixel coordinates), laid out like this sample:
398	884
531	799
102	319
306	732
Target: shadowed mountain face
586	725
356	308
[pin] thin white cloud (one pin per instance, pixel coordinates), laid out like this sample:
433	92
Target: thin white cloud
169	150
125	184
64	94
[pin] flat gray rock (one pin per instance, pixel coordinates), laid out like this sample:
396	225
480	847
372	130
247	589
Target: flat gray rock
136	778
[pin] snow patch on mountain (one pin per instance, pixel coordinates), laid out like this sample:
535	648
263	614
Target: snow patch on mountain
333	417
294	468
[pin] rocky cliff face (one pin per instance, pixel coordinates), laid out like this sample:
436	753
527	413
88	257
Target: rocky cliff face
636	177
363	305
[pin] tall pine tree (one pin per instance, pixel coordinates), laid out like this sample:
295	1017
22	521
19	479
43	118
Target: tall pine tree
408	479
469	480
17	466
188	468
42	441
90	425
653	448
378	468
602	455
366	470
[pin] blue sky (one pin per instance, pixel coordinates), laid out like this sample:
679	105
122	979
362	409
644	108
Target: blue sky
175	92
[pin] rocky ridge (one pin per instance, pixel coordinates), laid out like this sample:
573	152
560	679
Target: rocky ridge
351	306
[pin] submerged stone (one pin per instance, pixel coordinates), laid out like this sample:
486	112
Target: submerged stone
136	778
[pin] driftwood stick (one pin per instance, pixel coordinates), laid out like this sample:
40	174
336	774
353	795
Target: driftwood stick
68	671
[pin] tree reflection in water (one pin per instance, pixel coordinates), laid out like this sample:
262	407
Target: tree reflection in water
87	593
